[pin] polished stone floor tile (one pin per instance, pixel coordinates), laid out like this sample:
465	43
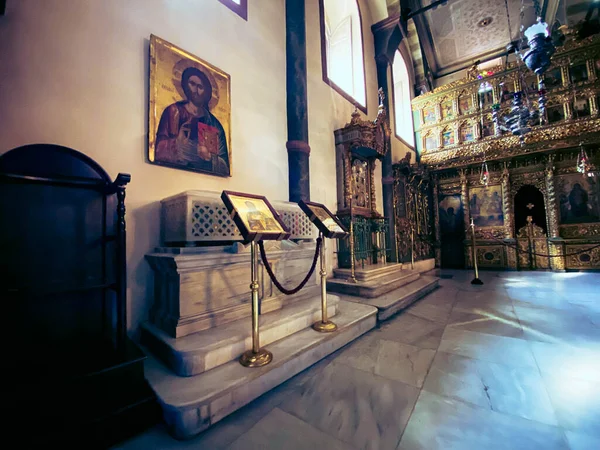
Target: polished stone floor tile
394	360
566	360
483	298
442	423
413	330
436	309
456	377
580	441
441	296
436	313
489	321
361	354
513	364
403	362
361	409
487	347
280	430
558	326
510	390
576	402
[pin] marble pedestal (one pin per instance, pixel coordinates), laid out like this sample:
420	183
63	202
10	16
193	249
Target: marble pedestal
388	287
198	288
200	324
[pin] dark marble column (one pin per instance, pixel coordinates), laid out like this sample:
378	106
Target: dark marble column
297	103
386	168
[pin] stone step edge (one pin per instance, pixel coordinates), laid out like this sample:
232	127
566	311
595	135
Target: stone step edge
364	275
411	288
377	283
408	300
188	356
188	418
372	290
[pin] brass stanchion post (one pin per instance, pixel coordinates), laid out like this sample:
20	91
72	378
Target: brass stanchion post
532	262
476	280
352	278
256	357
324	325
412	247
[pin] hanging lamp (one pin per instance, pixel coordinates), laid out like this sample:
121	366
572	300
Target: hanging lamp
584	166
539	39
484	177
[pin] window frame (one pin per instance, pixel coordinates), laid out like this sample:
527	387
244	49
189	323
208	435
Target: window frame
326	78
241	9
410	146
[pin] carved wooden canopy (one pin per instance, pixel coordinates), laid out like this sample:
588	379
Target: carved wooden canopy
365	137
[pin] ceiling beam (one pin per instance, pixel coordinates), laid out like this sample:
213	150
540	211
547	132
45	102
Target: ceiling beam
408	14
549	11
426	41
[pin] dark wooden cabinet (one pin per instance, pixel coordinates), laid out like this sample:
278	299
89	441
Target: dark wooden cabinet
72	375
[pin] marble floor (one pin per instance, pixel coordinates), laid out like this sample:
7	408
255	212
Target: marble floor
513	364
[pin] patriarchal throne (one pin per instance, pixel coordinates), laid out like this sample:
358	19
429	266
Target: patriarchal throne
365	274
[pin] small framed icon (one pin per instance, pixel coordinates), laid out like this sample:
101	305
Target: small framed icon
254	216
324	220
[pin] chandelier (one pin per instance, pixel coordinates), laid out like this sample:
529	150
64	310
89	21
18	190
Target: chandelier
519	120
523	115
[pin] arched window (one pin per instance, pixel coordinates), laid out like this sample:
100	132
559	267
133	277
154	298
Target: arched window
342	49
402	109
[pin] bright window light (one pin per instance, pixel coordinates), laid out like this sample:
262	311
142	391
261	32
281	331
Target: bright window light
344	52
402	109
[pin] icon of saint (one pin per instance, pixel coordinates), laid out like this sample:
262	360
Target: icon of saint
188	133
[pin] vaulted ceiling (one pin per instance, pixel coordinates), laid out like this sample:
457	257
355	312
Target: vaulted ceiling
464	31
453	36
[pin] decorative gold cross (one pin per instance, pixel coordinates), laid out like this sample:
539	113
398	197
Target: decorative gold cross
530	205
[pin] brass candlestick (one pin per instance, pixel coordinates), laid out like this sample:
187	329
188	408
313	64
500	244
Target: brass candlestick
324	325
257	357
476	280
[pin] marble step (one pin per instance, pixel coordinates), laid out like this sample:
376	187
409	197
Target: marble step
192	404
373	288
370	272
390	303
423	266
204	350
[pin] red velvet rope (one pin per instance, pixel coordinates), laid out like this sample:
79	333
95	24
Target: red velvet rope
265	261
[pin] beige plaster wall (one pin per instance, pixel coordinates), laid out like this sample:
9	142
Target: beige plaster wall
75	73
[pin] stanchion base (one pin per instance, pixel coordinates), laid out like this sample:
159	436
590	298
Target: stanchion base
477	281
324	327
259	359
